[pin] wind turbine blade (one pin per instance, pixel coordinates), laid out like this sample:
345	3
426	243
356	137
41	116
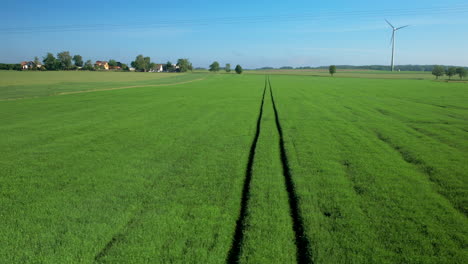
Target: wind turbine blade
402	27
391	40
389	24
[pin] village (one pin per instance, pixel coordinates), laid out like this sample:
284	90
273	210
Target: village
102	65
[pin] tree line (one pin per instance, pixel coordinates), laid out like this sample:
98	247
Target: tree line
66	62
144	64
10	66
427	68
214	67
439	71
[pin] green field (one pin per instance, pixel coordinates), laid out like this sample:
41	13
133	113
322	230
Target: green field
368	74
109	167
21	85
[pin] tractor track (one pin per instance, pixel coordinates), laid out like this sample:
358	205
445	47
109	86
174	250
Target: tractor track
115	239
303	253
100	90
236	246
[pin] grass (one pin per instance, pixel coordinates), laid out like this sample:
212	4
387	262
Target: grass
368	74
133	175
372	188
30	84
269	236
164	172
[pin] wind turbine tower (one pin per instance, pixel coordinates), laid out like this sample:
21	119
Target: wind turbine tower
393	41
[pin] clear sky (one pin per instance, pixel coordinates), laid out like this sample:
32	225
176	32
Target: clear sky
250	33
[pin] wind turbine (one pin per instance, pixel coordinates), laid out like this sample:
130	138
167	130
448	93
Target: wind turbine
393	40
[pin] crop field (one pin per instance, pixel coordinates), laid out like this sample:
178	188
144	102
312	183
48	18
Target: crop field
20	85
223	168
368	74
379	167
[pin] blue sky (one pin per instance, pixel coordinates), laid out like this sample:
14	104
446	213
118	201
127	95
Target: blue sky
253	34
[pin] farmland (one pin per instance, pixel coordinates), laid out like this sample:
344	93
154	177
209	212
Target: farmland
367	74
17	85
379	166
212	168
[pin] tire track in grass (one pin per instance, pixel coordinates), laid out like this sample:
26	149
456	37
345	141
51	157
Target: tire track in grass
302	242
414	126
235	251
128	87
134	220
425	168
435	137
102	89
408	157
115	238
120	235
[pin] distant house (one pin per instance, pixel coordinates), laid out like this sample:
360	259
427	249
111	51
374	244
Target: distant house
131	69
157	68
27	65
102	64
115	67
24	65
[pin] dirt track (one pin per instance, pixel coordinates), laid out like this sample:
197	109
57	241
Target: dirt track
104	89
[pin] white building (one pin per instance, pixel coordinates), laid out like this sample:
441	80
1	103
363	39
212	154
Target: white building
27	65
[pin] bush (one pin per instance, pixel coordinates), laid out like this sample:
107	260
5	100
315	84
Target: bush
9	67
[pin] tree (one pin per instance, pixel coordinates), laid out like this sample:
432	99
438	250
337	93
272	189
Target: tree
169	67
124	67
214	67
451	71
9	67
228	67
147	61
135	63
112	63
238	69
50	62
184	65
65	60
78	60
36	62
332	69
152	66
462	72
141	63
88	66
438	71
